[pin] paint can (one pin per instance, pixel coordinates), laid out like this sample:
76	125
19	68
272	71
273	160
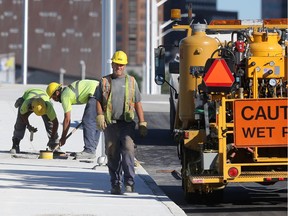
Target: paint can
46	154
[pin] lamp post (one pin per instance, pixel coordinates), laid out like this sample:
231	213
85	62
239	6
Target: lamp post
151	43
108	47
61	75
25	41
83	69
147	71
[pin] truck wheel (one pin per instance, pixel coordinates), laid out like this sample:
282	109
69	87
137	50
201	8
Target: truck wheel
214	197
186	158
189	196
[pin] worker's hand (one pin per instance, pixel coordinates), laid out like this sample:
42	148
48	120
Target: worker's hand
142	128
100	122
32	129
62	141
53	145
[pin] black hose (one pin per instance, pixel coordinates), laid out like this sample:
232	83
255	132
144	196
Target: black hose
224	49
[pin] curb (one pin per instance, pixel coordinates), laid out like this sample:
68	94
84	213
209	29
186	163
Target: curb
161	196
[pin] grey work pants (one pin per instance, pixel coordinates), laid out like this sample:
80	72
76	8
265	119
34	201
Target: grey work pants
20	127
90	133
119	147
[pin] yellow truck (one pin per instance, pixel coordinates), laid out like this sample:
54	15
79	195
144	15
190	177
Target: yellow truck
230	120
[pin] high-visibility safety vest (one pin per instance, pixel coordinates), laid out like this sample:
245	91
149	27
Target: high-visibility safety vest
75	90
25	102
35	93
129	99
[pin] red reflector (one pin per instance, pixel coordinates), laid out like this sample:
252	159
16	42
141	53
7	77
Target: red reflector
268	179
281	179
186	135
233	172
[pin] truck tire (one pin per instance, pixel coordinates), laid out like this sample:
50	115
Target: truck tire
188	156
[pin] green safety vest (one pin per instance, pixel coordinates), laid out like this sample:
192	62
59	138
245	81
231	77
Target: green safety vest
76	91
34	93
25	101
129	99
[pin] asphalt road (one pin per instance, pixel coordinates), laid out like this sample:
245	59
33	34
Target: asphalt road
158	156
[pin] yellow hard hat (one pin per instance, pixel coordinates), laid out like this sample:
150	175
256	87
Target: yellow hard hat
38	106
52	87
120	57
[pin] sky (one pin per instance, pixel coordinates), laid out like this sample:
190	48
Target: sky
247	9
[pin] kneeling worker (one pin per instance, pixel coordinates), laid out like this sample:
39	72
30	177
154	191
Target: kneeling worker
37	101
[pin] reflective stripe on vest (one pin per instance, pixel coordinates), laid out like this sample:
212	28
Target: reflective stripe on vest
129	98
36	95
76	91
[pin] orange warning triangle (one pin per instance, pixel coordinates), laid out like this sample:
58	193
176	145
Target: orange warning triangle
219	74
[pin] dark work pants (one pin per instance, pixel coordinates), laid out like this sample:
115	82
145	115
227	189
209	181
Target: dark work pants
90	133
119	147
20	127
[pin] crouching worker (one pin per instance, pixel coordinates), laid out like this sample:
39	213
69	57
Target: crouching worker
77	93
34	101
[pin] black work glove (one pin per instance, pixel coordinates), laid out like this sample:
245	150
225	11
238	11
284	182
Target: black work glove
19	102
32	129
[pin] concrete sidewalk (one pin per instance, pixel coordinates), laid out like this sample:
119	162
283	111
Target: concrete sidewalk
32	186
67	187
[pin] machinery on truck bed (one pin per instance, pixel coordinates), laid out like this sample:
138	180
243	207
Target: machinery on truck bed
231	114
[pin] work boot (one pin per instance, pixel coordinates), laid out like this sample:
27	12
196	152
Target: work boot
129	188
116	190
15	147
85	155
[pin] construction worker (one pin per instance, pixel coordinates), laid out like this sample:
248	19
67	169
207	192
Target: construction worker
118	97
37	101
78	92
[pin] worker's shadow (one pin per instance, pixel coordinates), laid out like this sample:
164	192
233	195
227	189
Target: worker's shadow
157	137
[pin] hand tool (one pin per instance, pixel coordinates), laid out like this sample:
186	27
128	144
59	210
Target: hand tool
46	154
31	136
57	146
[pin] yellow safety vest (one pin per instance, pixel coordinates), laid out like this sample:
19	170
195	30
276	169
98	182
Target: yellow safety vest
129	99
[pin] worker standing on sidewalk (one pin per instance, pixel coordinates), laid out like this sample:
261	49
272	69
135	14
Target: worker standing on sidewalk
118	97
37	101
78	92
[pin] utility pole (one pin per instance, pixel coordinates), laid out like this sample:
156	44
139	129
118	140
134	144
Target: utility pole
108	48
83	69
25	41
108	34
152	43
147	71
